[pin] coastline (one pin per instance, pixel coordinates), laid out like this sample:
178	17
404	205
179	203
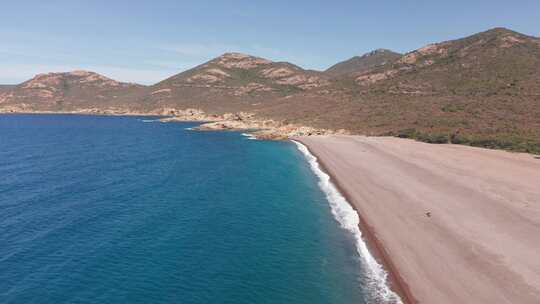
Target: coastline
377	250
258	127
450	223
269	246
88	113
245	122
270	130
477	192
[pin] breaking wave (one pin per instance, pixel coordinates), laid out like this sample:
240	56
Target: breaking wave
375	276
249	136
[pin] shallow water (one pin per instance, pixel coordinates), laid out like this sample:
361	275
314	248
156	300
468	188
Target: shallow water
98	209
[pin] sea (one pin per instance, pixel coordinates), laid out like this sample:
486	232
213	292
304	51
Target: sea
112	209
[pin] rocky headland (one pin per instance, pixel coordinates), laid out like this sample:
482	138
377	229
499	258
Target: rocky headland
260	128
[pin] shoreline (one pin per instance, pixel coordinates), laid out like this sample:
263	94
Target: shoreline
258	127
450	223
88	113
394	280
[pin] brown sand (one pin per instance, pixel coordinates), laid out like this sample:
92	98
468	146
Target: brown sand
481	240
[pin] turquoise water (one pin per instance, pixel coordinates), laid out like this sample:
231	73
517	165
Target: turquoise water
117	210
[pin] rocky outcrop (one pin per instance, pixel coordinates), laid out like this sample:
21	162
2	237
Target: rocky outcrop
243	121
240	61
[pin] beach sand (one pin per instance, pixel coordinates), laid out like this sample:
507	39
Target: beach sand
453	224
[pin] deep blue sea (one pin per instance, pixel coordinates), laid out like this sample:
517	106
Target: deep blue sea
97	209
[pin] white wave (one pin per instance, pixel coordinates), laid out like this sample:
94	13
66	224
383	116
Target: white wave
149	120
249	136
349	220
188	129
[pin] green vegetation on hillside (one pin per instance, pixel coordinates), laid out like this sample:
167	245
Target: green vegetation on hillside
509	142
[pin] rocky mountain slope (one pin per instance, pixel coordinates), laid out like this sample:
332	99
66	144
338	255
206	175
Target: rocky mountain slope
481	90
68	91
233	82
366	62
489	63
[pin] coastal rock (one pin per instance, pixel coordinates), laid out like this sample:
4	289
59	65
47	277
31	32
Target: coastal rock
244	121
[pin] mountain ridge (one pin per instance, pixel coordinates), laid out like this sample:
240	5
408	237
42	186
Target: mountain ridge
483	90
359	64
242	79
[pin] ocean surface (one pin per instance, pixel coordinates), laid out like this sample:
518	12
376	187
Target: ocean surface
97	209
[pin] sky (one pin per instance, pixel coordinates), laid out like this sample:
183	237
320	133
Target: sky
148	41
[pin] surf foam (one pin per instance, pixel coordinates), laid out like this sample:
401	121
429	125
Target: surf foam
249	136
347	217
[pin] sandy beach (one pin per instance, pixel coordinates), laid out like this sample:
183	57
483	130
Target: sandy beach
453	224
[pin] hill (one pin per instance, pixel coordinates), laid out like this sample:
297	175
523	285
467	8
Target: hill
366	62
233	82
482	90
67	92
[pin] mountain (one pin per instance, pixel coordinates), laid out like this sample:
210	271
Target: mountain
234	81
366	62
482	90
68	91
491	62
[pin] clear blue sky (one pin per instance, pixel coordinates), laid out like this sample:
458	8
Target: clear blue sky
146	41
